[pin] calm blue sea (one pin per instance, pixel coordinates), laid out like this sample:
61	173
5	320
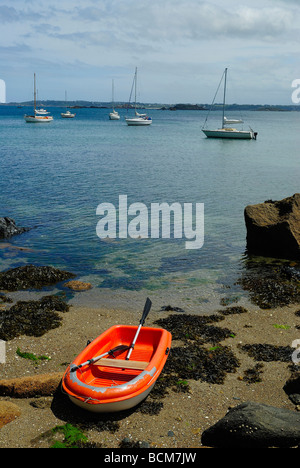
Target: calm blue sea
54	176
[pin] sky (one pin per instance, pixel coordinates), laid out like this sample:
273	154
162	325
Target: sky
180	47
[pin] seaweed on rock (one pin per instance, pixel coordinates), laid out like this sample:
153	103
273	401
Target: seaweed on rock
32	277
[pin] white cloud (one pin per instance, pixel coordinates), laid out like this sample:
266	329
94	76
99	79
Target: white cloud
183	42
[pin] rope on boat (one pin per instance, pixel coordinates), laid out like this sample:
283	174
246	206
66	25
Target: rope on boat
213	102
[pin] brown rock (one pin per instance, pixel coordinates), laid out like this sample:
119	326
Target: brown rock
29	387
78	285
273	228
8	412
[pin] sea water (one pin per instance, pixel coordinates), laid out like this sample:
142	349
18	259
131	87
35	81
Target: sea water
53	177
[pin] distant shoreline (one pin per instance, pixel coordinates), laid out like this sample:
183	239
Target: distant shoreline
158	106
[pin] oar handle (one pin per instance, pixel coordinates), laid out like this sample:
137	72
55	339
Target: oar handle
95	359
146	311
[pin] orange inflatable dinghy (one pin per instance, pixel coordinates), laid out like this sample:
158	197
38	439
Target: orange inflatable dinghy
118	369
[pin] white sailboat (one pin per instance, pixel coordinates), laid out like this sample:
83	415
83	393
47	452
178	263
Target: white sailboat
40	110
232	121
138	119
67	114
114	115
37	117
229	132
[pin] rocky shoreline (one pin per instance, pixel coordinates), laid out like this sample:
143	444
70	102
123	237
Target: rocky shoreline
231	359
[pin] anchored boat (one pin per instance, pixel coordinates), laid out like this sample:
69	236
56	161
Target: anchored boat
137	119
228	132
113	115
67	114
39	116
118	369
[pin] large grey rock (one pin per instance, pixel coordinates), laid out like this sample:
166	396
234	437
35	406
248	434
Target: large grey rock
8	228
273	228
254	425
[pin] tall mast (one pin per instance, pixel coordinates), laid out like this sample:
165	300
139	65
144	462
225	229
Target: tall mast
135	89
34	95
225	80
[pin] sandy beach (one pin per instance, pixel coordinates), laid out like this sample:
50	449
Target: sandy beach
183	416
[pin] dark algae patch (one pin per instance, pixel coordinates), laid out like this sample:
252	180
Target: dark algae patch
32	277
195	362
31	318
253	375
195	327
271	285
196	359
268	353
233	310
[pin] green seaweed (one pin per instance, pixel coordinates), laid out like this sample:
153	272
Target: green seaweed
32	357
72	437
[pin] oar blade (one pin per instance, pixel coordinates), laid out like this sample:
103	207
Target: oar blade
146	311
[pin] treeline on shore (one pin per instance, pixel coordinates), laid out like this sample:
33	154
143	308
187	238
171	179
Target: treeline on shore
179	106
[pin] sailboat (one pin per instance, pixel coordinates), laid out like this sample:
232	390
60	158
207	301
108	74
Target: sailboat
37	117
138	119
67	114
40	110
114	115
229	132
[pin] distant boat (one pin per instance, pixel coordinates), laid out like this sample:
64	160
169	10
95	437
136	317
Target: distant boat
232	121
229	132
37	116
138	119
42	112
67	114
114	115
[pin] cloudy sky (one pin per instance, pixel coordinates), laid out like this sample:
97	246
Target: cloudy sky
180	47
